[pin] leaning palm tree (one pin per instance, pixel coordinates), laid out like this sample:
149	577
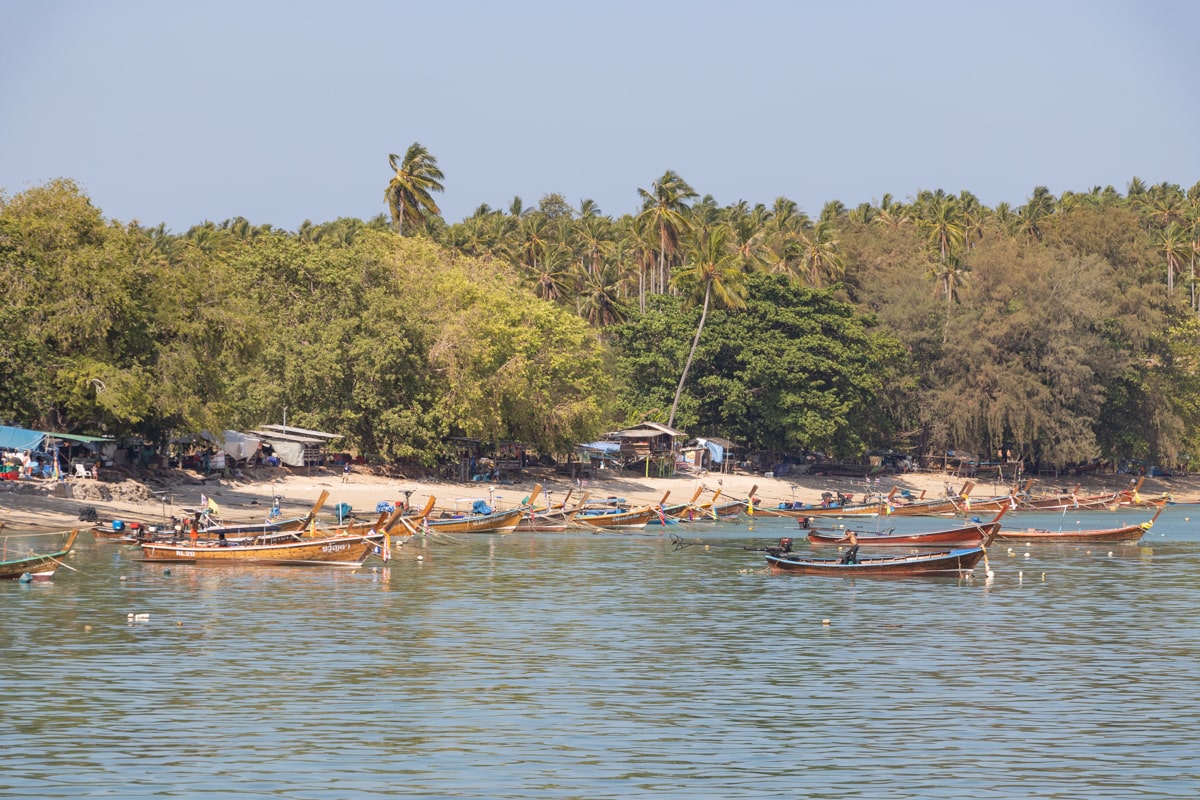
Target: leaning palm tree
714	271
409	194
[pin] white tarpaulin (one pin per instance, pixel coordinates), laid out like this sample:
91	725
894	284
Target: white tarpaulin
290	453
239	445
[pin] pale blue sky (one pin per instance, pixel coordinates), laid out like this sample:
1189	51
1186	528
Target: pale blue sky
284	111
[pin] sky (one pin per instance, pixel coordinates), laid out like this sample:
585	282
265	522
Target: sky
282	111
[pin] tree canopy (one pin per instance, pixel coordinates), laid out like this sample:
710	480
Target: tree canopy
1057	328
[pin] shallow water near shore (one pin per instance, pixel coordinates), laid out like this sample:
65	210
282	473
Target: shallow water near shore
575	665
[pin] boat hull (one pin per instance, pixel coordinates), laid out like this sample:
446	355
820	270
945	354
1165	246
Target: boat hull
970	536
349	551
1130	534
41	567
497	522
958	563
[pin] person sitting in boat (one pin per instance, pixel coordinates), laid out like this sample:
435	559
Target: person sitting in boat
784	547
804	522
851	554
221	540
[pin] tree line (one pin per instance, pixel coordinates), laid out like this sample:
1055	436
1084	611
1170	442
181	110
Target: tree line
1061	330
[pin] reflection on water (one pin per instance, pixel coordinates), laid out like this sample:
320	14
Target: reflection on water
601	665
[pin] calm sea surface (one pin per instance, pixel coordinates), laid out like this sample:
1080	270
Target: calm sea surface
611	666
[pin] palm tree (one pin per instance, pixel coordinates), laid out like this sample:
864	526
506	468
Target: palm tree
940	216
820	254
599	299
408	194
1035	212
1175	244
714	272
664	205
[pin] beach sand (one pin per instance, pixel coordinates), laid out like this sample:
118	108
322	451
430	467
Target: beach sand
47	504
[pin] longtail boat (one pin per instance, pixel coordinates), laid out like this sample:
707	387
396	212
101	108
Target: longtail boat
972	535
829	508
951	504
490	522
958	563
1124	534
345	551
37	566
677	512
601	517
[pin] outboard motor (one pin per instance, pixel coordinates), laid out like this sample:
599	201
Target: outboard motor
785	544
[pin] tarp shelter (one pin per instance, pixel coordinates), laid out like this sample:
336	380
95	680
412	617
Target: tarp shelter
240	446
20	439
296	447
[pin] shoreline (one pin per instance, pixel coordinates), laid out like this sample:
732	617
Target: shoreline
32	505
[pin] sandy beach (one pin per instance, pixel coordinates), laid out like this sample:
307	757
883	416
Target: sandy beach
39	504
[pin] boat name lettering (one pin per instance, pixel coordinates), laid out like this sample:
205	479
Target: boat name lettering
334	548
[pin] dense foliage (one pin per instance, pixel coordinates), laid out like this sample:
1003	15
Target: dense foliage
1062	330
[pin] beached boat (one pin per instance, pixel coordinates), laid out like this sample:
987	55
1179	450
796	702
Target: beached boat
957	563
343	551
1123	534
970	535
37	566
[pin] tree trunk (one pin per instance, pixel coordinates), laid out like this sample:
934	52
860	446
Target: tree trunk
691	354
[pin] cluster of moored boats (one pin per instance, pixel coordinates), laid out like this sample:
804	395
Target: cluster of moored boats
967	543
301	541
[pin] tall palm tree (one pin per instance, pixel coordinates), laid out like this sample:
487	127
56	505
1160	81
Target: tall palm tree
409	194
664	204
1036	211
714	271
599	299
1175	245
820	254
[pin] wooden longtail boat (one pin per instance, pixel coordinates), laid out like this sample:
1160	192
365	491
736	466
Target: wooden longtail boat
633	518
1124	534
948	505
958	563
39	567
344	551
797	510
972	535
492	522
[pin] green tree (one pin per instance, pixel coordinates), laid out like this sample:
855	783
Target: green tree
713	272
664	206
409	194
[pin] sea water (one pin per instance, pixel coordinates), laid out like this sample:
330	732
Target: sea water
602	665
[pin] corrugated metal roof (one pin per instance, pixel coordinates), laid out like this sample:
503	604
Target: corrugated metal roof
290	431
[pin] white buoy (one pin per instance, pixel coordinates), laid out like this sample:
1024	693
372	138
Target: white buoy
420	558
1110	553
1027	554
825	622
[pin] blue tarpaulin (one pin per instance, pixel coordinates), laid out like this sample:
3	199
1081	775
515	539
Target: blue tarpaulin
19	438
